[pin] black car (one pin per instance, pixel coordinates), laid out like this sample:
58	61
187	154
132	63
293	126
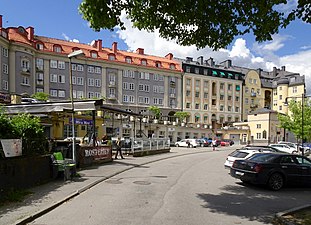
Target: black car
273	169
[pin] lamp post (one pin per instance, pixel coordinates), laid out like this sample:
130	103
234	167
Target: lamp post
74	54
303	96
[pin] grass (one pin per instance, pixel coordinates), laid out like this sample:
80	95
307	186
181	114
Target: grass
13	195
301	217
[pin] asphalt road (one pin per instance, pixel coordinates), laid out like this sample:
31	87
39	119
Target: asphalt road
185	190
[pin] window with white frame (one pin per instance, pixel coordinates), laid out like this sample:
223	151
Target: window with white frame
61	93
61	65
61	79
161	77
155	89
295	89
25	64
57	49
53	93
188	82
94	55
98	70
143	62
205	107
112	77
131	86
221	108
140	87
131	74
141	75
125	73
229	108
80	81
112	92
53	78
97	83
5	52
79	67
128	59
90	69
147	88
205	95
53	64
205	71
39	63
112	57
197	70
131	99
125	86
5	68
74	80
90	94
5	85
258	135
39	90
146	100
80	94
275	102
74	67
97	95
147	76
258	126
40	78
161	89
90	82
188	69
39	46
155	76
125	98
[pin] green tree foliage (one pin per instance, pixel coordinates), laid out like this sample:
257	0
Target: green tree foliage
293	122
181	115
156	111
196	22
27	128
41	96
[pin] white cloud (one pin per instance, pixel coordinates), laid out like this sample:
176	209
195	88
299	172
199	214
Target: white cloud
259	56
71	40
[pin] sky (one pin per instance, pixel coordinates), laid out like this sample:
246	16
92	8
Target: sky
60	19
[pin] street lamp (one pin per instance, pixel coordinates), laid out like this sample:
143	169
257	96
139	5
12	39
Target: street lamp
74	54
303	96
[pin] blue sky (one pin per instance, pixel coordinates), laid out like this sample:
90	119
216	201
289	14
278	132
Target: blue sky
61	19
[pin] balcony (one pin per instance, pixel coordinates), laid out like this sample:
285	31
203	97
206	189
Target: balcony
172	96
112	84
112	97
172	83
253	94
25	71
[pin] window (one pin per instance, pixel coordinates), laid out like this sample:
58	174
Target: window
61	79
237	109
25	64
222	97
98	70
188	105
94	55
258	135
125	98
73	67
53	93
197	106
221	108
205	107
197	94
131	86
188	82
61	65
264	134
80	94
237	87
5	68
294	89
222	86
237	98
91	82
158	64
112	77
205	95
61	93
40	78
197	83
128	59
229	87
229	97
205	71
161	77
172	66
90	94
97	95
255	81
280	97
196	70
143	62
258	126
112	57
5	52
246	89
125	86
39	64
250	80
90	69
39	46
25	80
74	80
5	85
280	88
97	83
188	93
205	84
79	67
53	64
188	69
80	81
53	78
280	107
57	48
39	90
229	108
246	100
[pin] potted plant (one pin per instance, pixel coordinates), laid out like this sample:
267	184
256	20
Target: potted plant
181	116
156	111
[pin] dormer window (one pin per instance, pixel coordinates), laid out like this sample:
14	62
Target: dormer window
172	66
57	48
128	59
75	49
158	64
94	54
112	57
39	46
144	62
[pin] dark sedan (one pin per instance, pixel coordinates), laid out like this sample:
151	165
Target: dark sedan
273	169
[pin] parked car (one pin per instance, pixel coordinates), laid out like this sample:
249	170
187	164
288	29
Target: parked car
184	143
245	153
224	143
202	142
262	147
273	169
284	148
231	142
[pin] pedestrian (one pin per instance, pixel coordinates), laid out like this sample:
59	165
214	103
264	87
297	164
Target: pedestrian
188	143
118	144
214	144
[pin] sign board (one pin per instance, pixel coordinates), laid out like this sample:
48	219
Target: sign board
12	147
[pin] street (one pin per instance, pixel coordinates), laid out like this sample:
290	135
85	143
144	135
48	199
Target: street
190	189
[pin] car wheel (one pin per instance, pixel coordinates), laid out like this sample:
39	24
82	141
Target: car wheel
294	152
276	182
177	145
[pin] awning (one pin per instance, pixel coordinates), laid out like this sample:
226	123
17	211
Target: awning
48	107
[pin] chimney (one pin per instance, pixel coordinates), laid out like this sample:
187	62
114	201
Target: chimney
115	47
210	61
200	60
99	45
30	31
189	59
0	21
169	56
283	68
228	63
140	51
274	72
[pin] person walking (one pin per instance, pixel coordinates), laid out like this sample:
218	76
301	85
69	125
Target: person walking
118	143
214	144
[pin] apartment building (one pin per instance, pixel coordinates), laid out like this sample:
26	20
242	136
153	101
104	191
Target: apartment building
127	80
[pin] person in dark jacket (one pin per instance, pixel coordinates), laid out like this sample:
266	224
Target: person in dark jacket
118	144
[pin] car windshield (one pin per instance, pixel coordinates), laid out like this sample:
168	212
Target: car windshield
238	154
262	157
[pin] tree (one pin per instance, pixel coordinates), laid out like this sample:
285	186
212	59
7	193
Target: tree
181	115
156	111
193	22
293	122
41	96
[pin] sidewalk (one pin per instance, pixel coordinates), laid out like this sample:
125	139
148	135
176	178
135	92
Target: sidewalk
48	196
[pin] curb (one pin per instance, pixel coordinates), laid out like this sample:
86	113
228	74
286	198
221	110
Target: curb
280	216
